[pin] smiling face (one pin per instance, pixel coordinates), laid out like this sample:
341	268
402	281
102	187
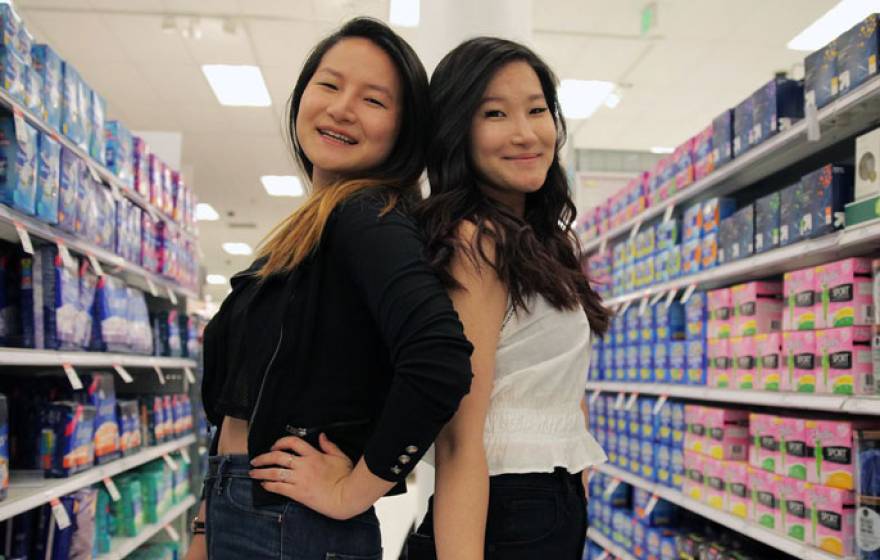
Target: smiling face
513	136
349	115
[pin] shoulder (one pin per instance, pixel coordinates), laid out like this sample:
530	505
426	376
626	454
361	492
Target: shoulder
476	244
369	208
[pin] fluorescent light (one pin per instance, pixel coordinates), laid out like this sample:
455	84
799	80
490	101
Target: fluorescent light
237	86
404	13
237	248
206	213
581	98
215	279
662	150
282	185
612	100
838	19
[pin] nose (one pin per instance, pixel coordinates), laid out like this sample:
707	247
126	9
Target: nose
339	108
523	134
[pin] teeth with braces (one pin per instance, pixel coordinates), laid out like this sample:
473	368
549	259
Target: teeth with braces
345	139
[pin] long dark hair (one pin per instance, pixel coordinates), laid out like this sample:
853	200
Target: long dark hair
536	254
298	235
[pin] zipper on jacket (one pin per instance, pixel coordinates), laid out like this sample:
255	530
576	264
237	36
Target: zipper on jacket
263	380
303	432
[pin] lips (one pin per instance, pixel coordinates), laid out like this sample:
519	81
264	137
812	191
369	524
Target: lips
523	157
337	136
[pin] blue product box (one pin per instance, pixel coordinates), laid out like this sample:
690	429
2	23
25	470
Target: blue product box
67	441
33	91
663	464
727	240
678	416
673	266
632	362
86	206
623	450
48	179
692	223
69	180
48	65
821	84
97	139
661	362
714	210
60	300
668	233
633	425
71	107
32	302
744	218
18	166
632	324
646	362
777	105
648	472
105	232
709	251
691	257
84	96
620	363
14	74
678	465
696	315
100	393
664	423
611	446
669	321
635	453
9	26
647	325
639	537
722	138
664	513
677	361
646	416
743	121
110	325
661	266
793	207
608	362
827	190
767	222
857	54
696	362
88	286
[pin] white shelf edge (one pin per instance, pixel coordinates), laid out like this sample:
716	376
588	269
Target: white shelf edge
797	133
123	546
30	357
782	257
50	488
863	405
745	527
608	545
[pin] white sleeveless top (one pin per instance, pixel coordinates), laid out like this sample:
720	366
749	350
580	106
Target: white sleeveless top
534	422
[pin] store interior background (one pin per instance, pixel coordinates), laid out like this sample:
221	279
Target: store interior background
673	66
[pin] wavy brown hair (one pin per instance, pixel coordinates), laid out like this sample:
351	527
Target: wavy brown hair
536	254
295	238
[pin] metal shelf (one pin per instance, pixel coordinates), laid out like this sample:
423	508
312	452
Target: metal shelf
857	111
122	547
609	546
28	357
738	524
28	489
863	405
839	245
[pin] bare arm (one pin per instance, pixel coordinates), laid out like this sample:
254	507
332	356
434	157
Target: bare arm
462	483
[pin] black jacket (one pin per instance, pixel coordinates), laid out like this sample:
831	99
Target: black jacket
361	342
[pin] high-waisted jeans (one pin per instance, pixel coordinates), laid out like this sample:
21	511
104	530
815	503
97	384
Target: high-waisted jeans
236	529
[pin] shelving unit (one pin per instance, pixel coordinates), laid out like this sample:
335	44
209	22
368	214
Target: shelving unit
122	547
609	546
845	117
27	357
28	489
863	405
743	526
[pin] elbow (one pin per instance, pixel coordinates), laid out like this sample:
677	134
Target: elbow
454	447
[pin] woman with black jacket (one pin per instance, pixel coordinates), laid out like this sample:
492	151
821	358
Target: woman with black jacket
340	331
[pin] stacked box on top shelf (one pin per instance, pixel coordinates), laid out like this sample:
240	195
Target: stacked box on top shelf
821	84
858	50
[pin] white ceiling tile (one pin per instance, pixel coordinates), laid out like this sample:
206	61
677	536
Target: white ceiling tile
143	40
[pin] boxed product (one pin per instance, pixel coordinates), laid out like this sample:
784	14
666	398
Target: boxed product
800	290
696	362
631	317
720	363
67	440
152	413
720	309
704	164
141	167
834	512
84	94
119	151
744	225
105	230
727	433
696	316
846	362
97	138
714	210
820	76
646	363
722	138
867	172
72	118
86	206
694	481
691	257
48	179
88	285
795	446
794	207
70	176
33	91
796	503
744	350
673	266
110	328
60	300
776	107
743	122
769	376
739	496
18	165
827	191
709	251
101	395
799	348
868	494
48	65
844	291
696	437
716	496
154	167
661	266
767	222
13	72
683	162
727	241
32	302
834	445
758	307
692	223
661	362
668	233
766	486
764	453
128	512
857	54
632	362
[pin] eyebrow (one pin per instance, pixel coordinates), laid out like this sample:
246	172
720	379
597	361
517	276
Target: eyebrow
533	97
339	75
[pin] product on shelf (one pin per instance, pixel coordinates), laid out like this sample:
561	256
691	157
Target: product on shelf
770	363
846	363
868	494
72	118
101	394
48	179
794	205
821	84
758	308
722	138
800	292
119	149
743	123
48	65
776	106
799	348
857	53
844	290
867	169
61	300
67	446
18	159
767	221
826	192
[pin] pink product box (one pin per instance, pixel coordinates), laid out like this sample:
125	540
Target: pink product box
745	352
695	438
757	308
846	362
167	197
720	363
739	496
796	504
845	293
770	363
720	313
694	480
154	171
834	451
714	478
799	348
704	162
834	526
764	452
801	303
796	449
141	155
727	433
765	488
684	165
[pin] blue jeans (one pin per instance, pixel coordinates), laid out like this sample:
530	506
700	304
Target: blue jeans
236	529
531	516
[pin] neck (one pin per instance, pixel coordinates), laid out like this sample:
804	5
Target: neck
322	178
513	201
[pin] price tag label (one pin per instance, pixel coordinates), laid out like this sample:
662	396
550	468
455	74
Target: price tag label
667	215
635	229
631	401
643	306
657	297
603	244
688	293
151	286
159	374
649	507
72	377
612	486
670	297
171	295
184	453
190	376
661	402
25	238
62	518
123	373
626	305
171	462
112	489
618	402
172	533
92	171
595	396
66	257
811	115
96	265
21	133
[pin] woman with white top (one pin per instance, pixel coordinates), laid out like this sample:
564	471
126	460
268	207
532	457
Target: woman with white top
498	227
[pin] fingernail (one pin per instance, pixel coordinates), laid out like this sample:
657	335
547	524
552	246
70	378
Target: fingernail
252	461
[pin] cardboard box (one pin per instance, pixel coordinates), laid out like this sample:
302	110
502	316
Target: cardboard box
867	170
857	54
821	84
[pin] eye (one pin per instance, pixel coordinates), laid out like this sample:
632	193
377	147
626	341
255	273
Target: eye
493	114
328	85
538	110
374	101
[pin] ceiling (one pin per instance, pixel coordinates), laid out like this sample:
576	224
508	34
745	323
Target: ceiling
703	56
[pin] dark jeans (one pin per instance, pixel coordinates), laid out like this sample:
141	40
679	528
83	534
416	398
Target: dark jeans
534	516
236	529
